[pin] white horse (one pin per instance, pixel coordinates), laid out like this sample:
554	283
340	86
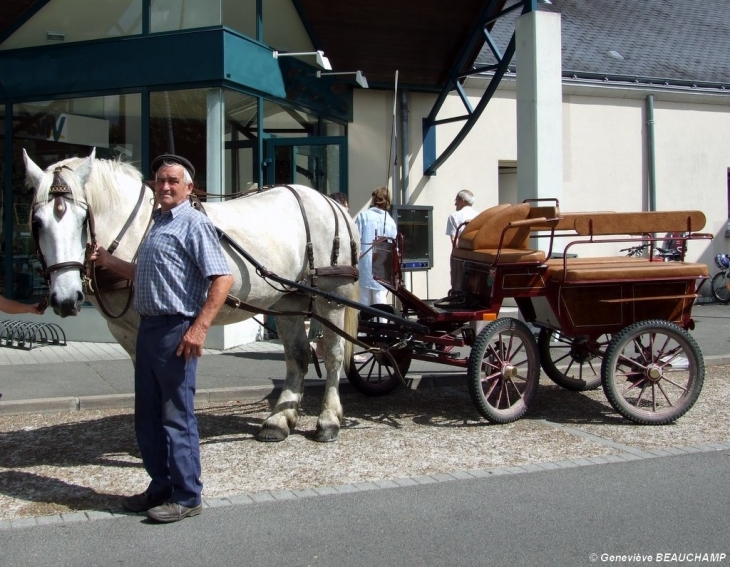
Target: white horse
268	225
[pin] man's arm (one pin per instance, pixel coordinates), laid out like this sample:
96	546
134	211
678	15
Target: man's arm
191	345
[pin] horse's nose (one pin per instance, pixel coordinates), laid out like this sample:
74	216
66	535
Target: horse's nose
65	307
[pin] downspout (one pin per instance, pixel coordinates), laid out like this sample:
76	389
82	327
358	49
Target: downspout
650	150
404	152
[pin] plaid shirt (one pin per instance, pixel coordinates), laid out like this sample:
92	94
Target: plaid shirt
175	261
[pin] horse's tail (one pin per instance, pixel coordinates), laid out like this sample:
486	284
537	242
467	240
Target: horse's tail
351	323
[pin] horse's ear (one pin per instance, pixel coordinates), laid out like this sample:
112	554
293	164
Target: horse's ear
33	173
84	170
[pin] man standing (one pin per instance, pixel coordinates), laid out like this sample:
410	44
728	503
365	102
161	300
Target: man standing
181	281
463	213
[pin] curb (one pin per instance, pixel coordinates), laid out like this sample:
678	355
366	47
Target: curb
222	395
203	396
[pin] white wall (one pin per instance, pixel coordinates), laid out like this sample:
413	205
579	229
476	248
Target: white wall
604	152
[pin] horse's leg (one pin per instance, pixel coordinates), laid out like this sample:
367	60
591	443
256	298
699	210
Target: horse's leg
285	414
331	413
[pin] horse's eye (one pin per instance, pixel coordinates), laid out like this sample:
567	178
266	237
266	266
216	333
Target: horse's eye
37	222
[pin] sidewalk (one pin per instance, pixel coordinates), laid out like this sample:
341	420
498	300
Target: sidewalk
100	375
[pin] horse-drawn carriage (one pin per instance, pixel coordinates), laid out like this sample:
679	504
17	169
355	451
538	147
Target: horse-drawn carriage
630	315
616	321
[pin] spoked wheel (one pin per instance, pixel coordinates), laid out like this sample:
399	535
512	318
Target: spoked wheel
721	286
373	374
503	370
572	362
653	372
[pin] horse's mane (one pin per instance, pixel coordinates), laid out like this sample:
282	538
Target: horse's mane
102	189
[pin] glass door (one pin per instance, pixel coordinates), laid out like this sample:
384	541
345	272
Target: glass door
320	163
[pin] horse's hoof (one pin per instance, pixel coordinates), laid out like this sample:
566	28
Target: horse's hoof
326	435
270	435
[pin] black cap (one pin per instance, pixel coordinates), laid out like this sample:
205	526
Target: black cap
159	160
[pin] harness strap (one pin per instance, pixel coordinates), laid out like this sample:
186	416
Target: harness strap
310	246
336	240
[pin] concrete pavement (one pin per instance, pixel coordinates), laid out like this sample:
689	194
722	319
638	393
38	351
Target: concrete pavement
100	375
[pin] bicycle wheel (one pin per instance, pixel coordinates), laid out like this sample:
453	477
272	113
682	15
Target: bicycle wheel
653	372
574	363
721	286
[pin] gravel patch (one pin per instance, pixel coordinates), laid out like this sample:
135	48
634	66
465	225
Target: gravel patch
68	462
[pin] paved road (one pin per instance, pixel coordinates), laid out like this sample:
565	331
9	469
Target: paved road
563	517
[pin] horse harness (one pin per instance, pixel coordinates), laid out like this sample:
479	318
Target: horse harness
60	193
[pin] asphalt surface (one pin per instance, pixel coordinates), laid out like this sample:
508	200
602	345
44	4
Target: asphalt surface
657	510
665	504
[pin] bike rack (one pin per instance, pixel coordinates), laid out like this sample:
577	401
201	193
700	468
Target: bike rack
27	335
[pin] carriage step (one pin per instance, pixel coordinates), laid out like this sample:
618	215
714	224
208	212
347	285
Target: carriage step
27	334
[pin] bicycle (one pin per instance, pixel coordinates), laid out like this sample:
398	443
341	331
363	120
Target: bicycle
721	281
635	251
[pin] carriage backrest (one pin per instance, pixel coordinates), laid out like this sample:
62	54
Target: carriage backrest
639	223
489	227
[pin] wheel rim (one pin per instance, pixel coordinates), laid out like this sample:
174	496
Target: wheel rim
656	373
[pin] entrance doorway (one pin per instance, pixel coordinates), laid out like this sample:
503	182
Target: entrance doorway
320	163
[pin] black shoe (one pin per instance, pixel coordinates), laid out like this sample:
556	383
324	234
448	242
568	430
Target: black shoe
173	512
145	501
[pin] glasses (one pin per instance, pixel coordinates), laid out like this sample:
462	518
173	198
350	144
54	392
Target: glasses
172	181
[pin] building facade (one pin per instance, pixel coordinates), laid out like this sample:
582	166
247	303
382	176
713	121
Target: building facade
138	78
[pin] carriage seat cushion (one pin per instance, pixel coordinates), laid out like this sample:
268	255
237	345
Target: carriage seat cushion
635	270
489	229
506	255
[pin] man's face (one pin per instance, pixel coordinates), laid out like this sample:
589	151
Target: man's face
459	203
170	187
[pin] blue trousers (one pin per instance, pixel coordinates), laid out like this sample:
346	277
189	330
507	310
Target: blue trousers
164	415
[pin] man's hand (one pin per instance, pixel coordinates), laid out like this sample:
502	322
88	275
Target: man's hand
192	343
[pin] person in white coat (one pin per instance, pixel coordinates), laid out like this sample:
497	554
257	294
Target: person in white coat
373	223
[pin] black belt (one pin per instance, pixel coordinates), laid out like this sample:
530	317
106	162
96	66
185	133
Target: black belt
176	317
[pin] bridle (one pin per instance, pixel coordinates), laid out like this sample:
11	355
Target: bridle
60	192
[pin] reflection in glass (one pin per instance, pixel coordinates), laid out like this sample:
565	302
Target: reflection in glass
68	21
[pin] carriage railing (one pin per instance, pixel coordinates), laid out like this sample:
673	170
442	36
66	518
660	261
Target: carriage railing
27	334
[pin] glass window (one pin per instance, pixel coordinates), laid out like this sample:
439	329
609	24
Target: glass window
241	142
282	26
65	21
172	15
178	125
50	131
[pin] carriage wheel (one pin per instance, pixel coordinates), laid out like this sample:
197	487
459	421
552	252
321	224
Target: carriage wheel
721	286
572	362
373	374
653	372
503	370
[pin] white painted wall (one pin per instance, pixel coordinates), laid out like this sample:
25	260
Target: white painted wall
604	158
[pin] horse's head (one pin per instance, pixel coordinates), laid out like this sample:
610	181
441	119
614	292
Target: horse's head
59	225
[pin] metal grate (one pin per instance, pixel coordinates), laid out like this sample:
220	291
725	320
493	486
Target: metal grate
27	334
